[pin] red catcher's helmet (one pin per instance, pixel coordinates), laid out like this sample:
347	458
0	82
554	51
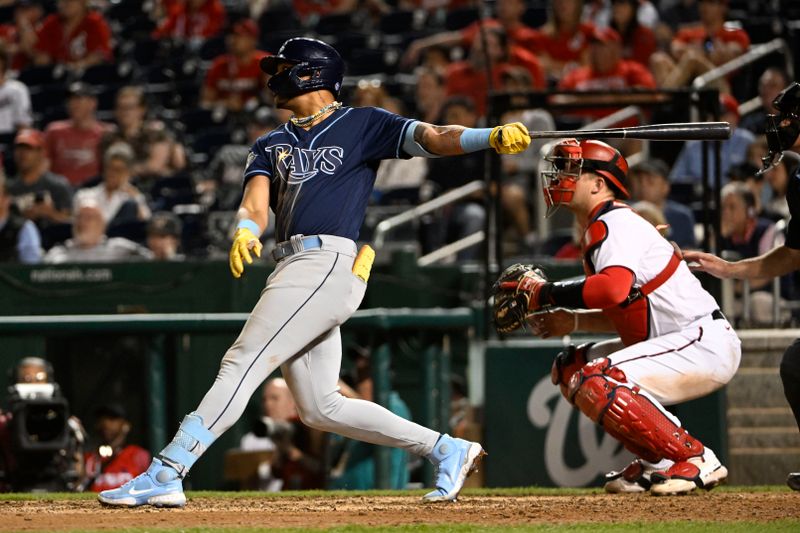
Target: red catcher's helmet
570	159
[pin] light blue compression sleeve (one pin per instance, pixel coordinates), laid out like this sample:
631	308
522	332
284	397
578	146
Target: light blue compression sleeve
472	140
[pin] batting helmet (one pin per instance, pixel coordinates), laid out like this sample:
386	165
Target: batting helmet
308	57
783	130
571	158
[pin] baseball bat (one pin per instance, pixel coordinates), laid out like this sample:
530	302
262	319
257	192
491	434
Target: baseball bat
681	131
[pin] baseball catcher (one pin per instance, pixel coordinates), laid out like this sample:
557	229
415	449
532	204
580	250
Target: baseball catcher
674	344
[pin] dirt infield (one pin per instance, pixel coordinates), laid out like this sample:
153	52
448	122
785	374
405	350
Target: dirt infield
209	513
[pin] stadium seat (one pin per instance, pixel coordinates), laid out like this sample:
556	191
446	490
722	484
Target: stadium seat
368	61
535	16
108	74
35	76
457	19
210	140
272	41
134	230
124	10
106	96
55	234
212	47
277	20
396	22
334	24
196	120
45	97
169	192
145	51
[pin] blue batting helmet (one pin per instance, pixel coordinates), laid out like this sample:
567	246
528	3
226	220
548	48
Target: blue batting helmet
308	57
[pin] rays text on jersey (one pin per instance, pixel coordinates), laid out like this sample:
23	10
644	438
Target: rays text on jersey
296	165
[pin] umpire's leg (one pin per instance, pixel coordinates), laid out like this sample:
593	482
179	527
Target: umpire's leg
790	375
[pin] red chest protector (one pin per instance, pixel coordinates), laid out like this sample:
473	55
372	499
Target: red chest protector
631	318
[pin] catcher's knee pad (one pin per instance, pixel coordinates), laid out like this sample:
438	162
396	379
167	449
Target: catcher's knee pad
567	362
602	393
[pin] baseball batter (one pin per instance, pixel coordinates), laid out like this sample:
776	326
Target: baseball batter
316	173
783	131
674	344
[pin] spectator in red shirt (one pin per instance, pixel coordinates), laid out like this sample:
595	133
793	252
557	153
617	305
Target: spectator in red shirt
75	36
698	49
73	145
192	20
113	461
638	41
607	71
20	37
564	38
235	80
469	77
509	17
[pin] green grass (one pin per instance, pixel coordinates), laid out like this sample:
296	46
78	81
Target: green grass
649	527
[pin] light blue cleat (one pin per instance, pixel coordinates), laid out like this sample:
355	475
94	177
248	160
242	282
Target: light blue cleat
160	486
455	460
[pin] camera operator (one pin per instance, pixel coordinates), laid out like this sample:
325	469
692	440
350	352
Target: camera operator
41	445
299	450
112	461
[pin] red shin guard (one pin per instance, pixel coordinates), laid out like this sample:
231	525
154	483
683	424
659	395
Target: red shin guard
601	392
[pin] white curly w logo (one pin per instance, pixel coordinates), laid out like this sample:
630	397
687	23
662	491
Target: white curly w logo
601	456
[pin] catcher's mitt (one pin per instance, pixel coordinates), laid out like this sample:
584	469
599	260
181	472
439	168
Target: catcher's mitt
516	293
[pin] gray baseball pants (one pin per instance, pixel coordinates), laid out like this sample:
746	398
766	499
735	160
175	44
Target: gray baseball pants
295	325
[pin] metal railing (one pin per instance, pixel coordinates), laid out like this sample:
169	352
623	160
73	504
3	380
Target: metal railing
752	55
779	305
424	208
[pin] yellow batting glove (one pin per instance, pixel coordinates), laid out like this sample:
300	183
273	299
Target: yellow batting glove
244	240
510	138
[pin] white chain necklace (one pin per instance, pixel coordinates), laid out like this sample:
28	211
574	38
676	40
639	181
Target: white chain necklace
305	121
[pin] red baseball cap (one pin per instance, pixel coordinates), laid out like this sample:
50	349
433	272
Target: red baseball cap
729	104
30	137
246	27
605	35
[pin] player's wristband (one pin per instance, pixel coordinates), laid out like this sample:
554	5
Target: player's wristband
251	225
474	139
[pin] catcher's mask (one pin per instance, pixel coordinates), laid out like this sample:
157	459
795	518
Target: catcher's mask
307	57
783	129
570	158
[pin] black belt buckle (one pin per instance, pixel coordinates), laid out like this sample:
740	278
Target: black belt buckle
717	315
280	251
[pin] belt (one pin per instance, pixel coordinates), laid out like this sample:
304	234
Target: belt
717	315
295	244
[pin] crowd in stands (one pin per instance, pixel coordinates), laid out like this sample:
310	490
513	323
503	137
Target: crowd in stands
122	122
